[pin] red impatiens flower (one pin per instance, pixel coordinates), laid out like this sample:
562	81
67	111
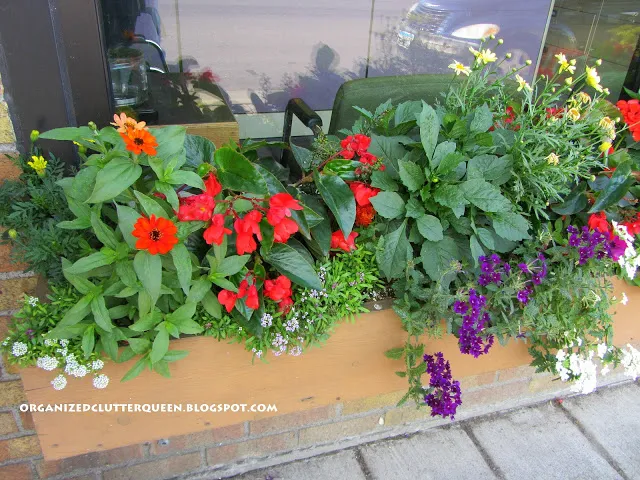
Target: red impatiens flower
216	231
347	244
196	207
212	185
245	228
283	230
364	215
278	289
250	292
280	206
156	235
368	158
363	192
598	221
354	145
285	305
633	226
630	110
228	299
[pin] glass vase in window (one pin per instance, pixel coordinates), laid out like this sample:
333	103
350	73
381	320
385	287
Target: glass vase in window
128	76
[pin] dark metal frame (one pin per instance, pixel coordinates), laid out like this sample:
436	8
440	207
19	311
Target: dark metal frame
53	66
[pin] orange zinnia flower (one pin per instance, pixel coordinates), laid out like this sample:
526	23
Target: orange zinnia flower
156	235
138	141
125	123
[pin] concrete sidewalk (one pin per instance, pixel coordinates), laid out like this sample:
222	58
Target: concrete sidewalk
595	436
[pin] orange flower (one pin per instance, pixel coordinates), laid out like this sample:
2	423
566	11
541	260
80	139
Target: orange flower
125	123
157	235
138	141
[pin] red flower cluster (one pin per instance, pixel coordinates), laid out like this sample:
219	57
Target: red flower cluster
347	244
557	112
280	206
357	145
245	229
279	290
364	210
250	292
598	221
631	113
633	226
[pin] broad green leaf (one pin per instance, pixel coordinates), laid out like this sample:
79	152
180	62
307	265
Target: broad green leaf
429	124
407	111
236	172
321	233
485	196
149	271
150	206
616	188
118	175
95	260
175	355
160	344
383	181
147	321
101	314
171	140
198	150
68	133
303	156
103	232
450	196
437	257
80	283
182	261
511	226
126	273
430	228
109	345
232	264
490	168
411	175
291	263
136	370
389	149
77	224
162	367
487	238
88	341
391	253
183	177
449	163
139	345
482	119
212	305
339	198
157	166
127	217
119	311
222	282
190	327
415	208
169	192
182	314
388	204
199	289
442	150
573	203
476	249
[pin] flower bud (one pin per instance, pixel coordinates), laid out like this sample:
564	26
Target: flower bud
572	61
93	126
528	62
13	234
606	91
508	55
598	62
500	41
593	177
34	135
492	36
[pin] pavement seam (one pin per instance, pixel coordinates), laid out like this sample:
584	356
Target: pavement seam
493	466
363	464
604	453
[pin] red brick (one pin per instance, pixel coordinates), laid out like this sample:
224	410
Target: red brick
8	169
27	421
283	423
107	458
339	430
258	447
199	439
13	291
17	471
11	393
4	327
20	447
168	467
7	423
6	265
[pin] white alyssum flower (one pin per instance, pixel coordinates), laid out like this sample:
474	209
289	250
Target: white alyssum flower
625	299
630	260
79	371
33	301
587	380
47	363
295	351
100	381
59	382
602	349
5	342
266	320
64	342
604	370
97	365
50	342
18	349
631	362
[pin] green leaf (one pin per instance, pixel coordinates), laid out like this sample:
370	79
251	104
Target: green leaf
135	370
490	168
139	345
67	133
321	233
236	172
222	282
211	304
389	149
291	263
149	271
511	226
394	353
88	341
339	198
77	224
617	187
573	203
183	177
160	344
101	314
407	112
182	261
429	124
150	206
449	163
162	367
95	260
442	150
482	119
147	321
126	273
485	196
182	314
430	228
388	204
106	236
411	175
198	150
487	238
109	345
118	175
199	289
171	139
415	208
449	196
391	253
437	257
476	249
80	283
232	264
127	217
303	156
175	355
383	181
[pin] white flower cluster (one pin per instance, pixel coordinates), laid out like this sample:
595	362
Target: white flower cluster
50	342
18	349
581	369
47	363
100	381
258	353
630	260
266	320
631	362
322	273
97	365
59	382
280	343
33	301
296	351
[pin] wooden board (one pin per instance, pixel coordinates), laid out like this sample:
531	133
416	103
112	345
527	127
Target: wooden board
350	366
218	132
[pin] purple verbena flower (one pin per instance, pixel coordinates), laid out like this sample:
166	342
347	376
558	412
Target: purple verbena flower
444	392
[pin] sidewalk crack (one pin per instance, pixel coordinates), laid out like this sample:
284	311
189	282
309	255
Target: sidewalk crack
485	455
363	464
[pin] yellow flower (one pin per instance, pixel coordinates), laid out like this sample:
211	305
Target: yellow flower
609	126
459	68
522	83
125	123
475	52
574	114
583	97
553	159
605	146
564	64
487	56
593	79
39	164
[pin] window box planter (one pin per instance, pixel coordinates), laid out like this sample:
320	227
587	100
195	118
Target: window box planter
350	366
